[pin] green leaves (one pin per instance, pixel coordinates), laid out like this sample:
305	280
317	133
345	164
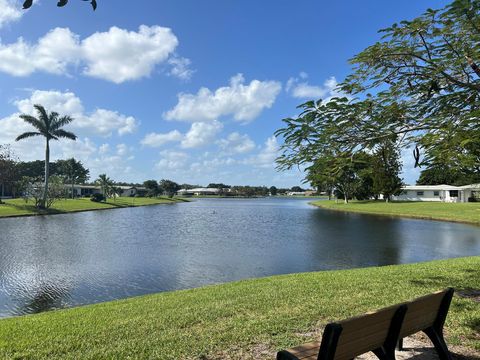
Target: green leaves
48	125
27	4
93	3
419	85
61	3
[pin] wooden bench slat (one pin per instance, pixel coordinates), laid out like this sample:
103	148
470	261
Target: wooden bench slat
308	347
421	313
375	330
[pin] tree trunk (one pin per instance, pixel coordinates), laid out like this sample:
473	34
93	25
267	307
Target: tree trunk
47	174
73	189
345	198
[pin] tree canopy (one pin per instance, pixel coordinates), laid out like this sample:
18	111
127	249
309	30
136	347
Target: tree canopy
419	85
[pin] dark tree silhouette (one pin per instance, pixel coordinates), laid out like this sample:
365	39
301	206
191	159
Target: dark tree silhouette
28	3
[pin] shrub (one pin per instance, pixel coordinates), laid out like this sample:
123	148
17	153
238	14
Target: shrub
97	197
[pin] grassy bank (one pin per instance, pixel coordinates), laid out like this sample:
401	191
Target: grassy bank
246	319
460	212
18	207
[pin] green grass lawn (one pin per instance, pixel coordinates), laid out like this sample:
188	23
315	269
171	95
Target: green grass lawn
18	207
238	320
461	212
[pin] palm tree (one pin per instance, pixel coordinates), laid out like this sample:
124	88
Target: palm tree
48	125
105	183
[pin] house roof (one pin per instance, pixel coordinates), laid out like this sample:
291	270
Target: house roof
439	187
431	187
200	190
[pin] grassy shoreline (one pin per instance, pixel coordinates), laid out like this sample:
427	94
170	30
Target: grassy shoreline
456	212
18	207
245	319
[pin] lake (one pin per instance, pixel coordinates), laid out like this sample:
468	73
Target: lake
50	262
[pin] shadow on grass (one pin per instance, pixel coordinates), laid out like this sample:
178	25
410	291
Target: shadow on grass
439	280
34	210
460	283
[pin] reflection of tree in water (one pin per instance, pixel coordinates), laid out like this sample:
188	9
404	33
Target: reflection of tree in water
47	297
348	240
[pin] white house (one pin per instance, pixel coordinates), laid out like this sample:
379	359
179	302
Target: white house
441	193
87	190
198	191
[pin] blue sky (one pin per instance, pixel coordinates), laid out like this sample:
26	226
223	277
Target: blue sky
187	90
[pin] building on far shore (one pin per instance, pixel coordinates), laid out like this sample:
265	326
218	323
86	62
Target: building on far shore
198	192
301	193
440	193
88	190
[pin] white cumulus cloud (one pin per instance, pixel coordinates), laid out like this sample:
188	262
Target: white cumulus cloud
117	55
243	101
236	143
172	160
9	12
201	134
104	122
52	54
100	122
299	88
181	67
157	140
267	154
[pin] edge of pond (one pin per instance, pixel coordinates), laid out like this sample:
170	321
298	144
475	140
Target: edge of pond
88	210
407	216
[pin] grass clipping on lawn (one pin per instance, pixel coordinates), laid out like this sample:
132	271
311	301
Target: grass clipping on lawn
237	319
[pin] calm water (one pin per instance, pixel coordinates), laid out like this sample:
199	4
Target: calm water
66	260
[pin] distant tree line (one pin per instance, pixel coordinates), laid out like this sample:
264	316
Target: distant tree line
24	178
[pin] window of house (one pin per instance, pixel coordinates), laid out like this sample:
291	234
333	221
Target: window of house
419	193
453	193
436	193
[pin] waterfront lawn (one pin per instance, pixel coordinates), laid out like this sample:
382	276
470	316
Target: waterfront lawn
18	207
246	319
461	212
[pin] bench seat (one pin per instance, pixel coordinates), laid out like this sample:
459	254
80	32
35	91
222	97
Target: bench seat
308	351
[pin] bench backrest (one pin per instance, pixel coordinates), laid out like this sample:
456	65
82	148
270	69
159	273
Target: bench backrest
426	311
361	334
349	338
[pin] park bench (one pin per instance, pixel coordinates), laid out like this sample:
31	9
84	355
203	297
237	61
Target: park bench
380	331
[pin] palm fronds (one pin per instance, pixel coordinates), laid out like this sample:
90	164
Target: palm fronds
28	135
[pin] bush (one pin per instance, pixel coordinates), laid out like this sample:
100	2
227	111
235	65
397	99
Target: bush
97	197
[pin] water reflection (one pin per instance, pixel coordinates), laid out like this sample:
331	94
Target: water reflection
46	297
72	259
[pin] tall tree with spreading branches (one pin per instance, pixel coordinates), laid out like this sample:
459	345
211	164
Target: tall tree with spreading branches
419	84
49	126
73	171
